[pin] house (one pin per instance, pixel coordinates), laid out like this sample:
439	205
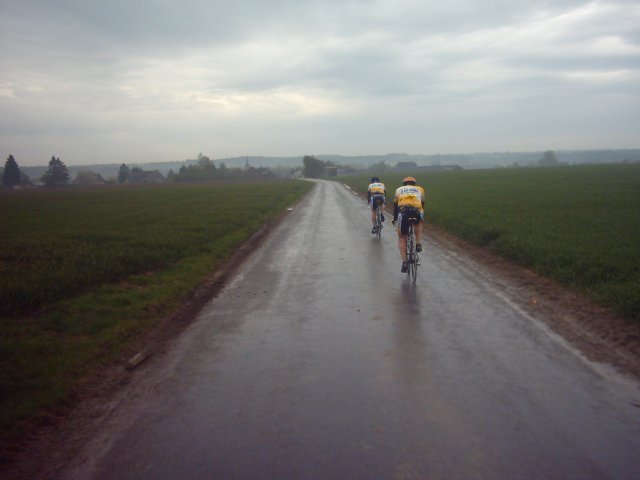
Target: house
438	168
406	166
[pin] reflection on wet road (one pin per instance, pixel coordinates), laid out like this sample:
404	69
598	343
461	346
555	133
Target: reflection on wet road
321	360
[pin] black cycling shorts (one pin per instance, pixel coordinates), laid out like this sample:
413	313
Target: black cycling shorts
377	199
405	215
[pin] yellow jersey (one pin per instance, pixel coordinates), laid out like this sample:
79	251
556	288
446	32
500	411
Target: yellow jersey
376	188
409	196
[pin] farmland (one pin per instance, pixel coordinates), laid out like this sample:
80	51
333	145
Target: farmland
579	225
82	272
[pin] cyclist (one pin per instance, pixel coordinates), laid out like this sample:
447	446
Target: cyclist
408	202
376	195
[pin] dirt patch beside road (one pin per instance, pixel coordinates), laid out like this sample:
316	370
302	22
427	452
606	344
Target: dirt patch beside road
598	333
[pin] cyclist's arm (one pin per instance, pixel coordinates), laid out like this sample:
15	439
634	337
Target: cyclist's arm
396	211
368	196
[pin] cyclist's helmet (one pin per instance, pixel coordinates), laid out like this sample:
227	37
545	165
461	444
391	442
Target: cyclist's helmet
408	180
375	180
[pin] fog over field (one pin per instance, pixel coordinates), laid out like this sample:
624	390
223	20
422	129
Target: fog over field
158	81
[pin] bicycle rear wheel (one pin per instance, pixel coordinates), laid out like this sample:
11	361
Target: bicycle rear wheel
413	268
378	222
412	255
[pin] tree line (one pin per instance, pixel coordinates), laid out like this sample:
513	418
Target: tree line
56	174
203	170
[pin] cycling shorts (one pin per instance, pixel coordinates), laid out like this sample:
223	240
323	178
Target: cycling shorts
376	199
407	214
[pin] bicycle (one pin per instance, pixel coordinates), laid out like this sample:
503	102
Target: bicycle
413	259
378	225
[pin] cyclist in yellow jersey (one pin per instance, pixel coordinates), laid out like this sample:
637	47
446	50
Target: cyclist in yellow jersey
408	202
376	194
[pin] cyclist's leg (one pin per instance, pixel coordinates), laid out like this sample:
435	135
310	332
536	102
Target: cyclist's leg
402	246
417	228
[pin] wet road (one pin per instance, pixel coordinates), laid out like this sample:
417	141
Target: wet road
319	360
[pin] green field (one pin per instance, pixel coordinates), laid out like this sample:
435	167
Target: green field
82	272
579	225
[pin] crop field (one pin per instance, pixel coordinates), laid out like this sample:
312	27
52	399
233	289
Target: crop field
84	271
579	224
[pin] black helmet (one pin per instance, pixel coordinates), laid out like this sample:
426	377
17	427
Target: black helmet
375	180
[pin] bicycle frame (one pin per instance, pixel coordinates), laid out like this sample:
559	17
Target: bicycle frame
412	256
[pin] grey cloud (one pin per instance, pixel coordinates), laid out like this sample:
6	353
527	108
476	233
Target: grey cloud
110	67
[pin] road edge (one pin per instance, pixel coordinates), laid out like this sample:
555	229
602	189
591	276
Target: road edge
49	444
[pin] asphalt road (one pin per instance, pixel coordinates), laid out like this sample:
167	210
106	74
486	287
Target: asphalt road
320	360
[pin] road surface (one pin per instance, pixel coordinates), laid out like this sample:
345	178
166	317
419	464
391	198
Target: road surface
320	360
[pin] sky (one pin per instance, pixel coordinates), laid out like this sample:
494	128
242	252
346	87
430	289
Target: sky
95	81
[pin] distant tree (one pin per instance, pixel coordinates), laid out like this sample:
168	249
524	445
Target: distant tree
88	178
138	175
171	176
57	173
203	170
379	167
123	173
11	174
549	159
205	163
313	167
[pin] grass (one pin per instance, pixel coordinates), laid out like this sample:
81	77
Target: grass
82	273
579	225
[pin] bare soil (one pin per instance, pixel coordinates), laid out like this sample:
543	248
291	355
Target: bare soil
55	438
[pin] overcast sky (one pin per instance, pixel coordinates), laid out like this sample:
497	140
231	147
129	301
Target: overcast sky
162	80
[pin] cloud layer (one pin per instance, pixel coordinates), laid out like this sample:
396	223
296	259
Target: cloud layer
96	82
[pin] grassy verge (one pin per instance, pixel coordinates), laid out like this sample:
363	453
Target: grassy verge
82	273
579	225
